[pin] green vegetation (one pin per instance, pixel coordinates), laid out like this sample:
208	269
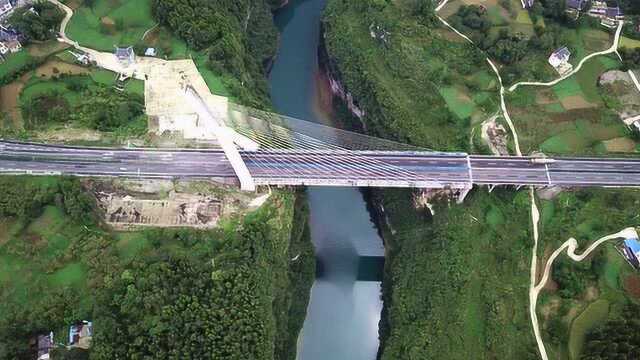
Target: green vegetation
592	316
572	117
463	271
39	25
15	65
415	85
153	287
523	40
235	40
616	339
83	100
583	295
456	283
103	24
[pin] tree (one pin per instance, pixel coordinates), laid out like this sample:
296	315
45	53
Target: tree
41	25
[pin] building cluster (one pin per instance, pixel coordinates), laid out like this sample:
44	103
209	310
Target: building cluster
608	11
80	335
9	37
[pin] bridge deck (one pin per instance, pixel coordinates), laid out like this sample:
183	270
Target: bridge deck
322	168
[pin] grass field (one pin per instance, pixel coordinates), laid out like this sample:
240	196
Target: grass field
20	276
15	62
588	76
111	23
594	315
629	43
456	101
131	244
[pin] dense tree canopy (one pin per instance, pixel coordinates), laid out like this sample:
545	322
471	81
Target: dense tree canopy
617	339
238	35
41	24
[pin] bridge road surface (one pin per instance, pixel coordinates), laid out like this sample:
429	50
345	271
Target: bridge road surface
294	167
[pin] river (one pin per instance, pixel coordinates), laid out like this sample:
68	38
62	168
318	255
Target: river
343	313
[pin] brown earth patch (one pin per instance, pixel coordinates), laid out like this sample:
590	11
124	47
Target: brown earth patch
576	102
546	97
621	144
450	35
5	225
55	68
632	285
586	114
107	21
46	48
9	101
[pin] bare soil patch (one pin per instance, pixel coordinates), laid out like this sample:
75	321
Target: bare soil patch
621	144
70	134
632	285
546	97
576	102
9	101
55	68
47	48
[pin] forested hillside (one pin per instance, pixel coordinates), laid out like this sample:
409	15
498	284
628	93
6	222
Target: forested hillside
229	293
413	83
238	37
456	282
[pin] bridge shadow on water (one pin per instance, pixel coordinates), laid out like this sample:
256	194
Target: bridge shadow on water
366	268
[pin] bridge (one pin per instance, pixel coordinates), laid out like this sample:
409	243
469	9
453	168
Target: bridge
360	168
261	148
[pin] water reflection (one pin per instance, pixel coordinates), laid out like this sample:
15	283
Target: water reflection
343	314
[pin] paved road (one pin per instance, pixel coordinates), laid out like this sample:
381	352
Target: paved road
289	167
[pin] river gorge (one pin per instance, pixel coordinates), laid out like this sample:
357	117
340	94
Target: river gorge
344	311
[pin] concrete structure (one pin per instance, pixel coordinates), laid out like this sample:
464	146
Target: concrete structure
150	52
227	137
321	167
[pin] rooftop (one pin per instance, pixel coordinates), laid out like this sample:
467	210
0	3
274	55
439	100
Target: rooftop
124	53
576	4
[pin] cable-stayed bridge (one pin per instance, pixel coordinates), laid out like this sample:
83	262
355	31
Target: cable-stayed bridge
261	148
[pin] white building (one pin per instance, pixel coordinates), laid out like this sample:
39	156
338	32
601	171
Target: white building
560	60
5	7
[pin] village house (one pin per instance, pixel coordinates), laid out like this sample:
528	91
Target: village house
125	56
578	5
45	345
80	334
575	7
5	7
630	249
150	52
560	60
9	39
608	12
527	4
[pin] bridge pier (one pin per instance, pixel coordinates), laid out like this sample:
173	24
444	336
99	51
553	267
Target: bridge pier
227	138
463	194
